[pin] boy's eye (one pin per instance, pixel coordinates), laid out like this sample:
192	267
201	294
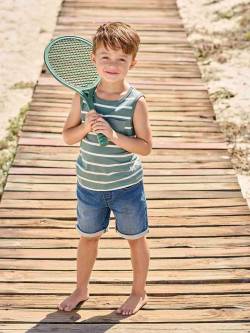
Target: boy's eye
119	59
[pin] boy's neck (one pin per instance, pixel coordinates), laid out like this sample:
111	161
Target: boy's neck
113	88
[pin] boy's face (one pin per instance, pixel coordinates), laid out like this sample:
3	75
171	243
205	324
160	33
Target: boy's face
112	65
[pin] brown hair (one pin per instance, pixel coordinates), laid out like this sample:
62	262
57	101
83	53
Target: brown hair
117	35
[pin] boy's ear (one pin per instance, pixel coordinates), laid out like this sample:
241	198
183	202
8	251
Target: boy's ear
93	57
133	63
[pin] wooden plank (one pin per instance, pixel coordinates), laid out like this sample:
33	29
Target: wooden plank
173	302
125	253
124	264
240	327
70	204
43	179
162	290
198	278
152	165
160	143
148	172
155	221
154	232
148	187
193	315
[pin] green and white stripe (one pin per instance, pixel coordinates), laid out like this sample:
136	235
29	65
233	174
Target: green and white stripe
110	167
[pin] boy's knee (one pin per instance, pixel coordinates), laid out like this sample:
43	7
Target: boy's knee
94	238
135	240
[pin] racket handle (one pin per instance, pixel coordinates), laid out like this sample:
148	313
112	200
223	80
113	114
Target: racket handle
103	141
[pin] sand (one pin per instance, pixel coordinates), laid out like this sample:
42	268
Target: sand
219	32
203	24
25	29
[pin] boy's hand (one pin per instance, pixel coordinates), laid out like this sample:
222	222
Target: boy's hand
90	119
102	126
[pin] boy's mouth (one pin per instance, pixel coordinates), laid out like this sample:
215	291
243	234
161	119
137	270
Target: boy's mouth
112	73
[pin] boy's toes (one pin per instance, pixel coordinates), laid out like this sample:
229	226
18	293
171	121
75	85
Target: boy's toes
129	312
67	308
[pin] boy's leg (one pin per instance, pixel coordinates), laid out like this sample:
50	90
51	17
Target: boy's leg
140	257
85	265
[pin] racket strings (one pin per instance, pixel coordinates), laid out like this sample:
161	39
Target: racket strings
71	60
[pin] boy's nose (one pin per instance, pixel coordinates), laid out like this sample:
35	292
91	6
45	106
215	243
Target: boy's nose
113	63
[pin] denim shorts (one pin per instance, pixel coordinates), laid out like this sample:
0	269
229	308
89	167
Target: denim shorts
128	205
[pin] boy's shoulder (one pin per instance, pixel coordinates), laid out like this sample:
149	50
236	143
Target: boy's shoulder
136	91
137	94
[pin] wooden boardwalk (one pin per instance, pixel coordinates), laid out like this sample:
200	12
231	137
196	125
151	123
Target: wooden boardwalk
199	221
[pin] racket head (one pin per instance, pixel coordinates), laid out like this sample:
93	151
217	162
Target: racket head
68	58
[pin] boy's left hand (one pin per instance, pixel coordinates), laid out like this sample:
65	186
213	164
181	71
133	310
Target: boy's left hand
102	126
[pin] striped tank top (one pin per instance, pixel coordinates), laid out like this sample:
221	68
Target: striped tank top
110	167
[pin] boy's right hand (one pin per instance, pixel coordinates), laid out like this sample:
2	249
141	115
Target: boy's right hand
90	119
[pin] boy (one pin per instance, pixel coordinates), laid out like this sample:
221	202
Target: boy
111	177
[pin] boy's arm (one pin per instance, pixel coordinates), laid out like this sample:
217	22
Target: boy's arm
74	130
142	143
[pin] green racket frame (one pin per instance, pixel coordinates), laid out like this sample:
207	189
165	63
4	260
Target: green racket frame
87	91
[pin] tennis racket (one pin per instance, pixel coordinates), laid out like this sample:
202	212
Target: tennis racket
68	60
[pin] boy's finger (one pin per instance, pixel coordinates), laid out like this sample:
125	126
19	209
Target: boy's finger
100	119
92	117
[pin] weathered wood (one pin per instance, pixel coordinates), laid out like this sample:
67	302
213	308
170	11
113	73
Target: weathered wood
240	327
101	264
174	302
161	289
104	315
167	232
198	279
122	253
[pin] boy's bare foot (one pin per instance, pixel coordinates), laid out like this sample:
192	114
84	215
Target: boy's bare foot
71	301
132	304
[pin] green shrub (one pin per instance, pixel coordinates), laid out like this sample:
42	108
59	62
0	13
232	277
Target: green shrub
221	93
23	85
225	15
8	145
247	36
